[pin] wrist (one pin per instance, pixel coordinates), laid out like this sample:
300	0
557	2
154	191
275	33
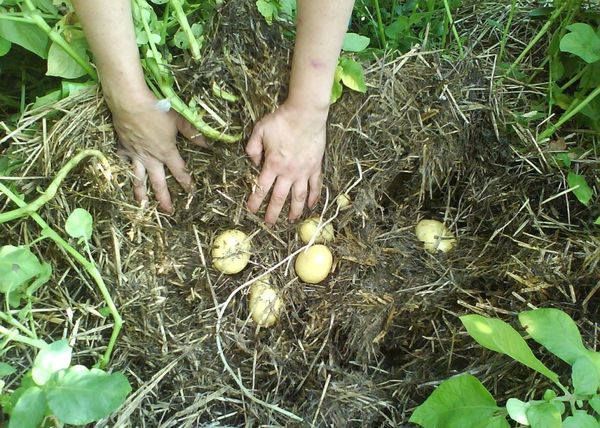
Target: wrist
309	109
127	98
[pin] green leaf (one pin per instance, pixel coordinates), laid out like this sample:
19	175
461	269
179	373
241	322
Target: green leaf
580	188
47	99
79	396
590	78
582	41
555	331
336	91
79	224
355	42
61	64
6	369
517	410
564	158
352	75
585	376
499	336
268	9
597	222
544	415
29	410
56	356
595	403
18	266
461	401
4	46
581	420
25	35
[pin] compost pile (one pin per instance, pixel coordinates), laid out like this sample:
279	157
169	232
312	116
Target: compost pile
431	139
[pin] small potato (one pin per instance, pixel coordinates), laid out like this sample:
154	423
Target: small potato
314	264
231	251
343	201
264	303
308	228
435	236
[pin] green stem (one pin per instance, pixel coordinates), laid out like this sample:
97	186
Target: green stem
16	337
50	192
380	29
511	15
10	320
90	267
185	26
537	38
37	19
572	111
574	78
454	30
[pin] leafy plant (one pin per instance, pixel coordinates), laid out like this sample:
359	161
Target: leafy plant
69	394
349	72
462	401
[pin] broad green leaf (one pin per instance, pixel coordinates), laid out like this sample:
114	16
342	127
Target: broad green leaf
355	42
47	99
461	401
585	376
581	41
29	409
268	9
544	415
581	420
595	403
549	395
564	158
336	91
69	88
590	79
352	75
61	64
6	369
25	35
555	331
597	222
44	276
79	396
18	266
517	410
56	356
580	187
499	336
4	46
79	224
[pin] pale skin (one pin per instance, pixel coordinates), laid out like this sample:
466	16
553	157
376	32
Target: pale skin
289	143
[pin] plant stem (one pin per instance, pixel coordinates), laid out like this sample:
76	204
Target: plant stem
380	29
16	337
513	8
454	30
537	38
10	320
87	265
575	78
37	19
50	192
572	111
185	26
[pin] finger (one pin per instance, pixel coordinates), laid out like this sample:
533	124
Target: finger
190	132
140	191
176	165
316	183
158	181
261	189
299	194
254	148
278	198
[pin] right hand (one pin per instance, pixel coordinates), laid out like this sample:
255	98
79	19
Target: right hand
147	137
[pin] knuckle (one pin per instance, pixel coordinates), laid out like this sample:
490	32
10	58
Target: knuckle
278	198
300	196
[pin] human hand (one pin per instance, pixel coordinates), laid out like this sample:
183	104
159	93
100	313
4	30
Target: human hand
147	137
293	141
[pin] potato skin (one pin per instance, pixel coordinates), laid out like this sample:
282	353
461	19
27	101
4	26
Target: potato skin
231	251
314	264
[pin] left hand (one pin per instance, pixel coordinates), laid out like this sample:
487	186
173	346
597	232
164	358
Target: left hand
293	141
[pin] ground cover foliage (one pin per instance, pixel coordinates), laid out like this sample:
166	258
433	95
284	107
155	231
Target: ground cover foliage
434	136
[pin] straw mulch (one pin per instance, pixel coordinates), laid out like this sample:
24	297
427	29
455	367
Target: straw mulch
431	139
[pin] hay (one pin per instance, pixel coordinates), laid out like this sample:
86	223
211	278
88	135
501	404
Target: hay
431	139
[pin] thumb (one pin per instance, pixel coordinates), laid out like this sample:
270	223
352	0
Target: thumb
254	148
190	132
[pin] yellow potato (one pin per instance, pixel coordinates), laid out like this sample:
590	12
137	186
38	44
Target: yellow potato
231	251
343	201
264	303
314	264
308	228
435	236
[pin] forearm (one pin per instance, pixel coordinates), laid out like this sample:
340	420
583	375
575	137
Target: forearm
321	27
111	35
